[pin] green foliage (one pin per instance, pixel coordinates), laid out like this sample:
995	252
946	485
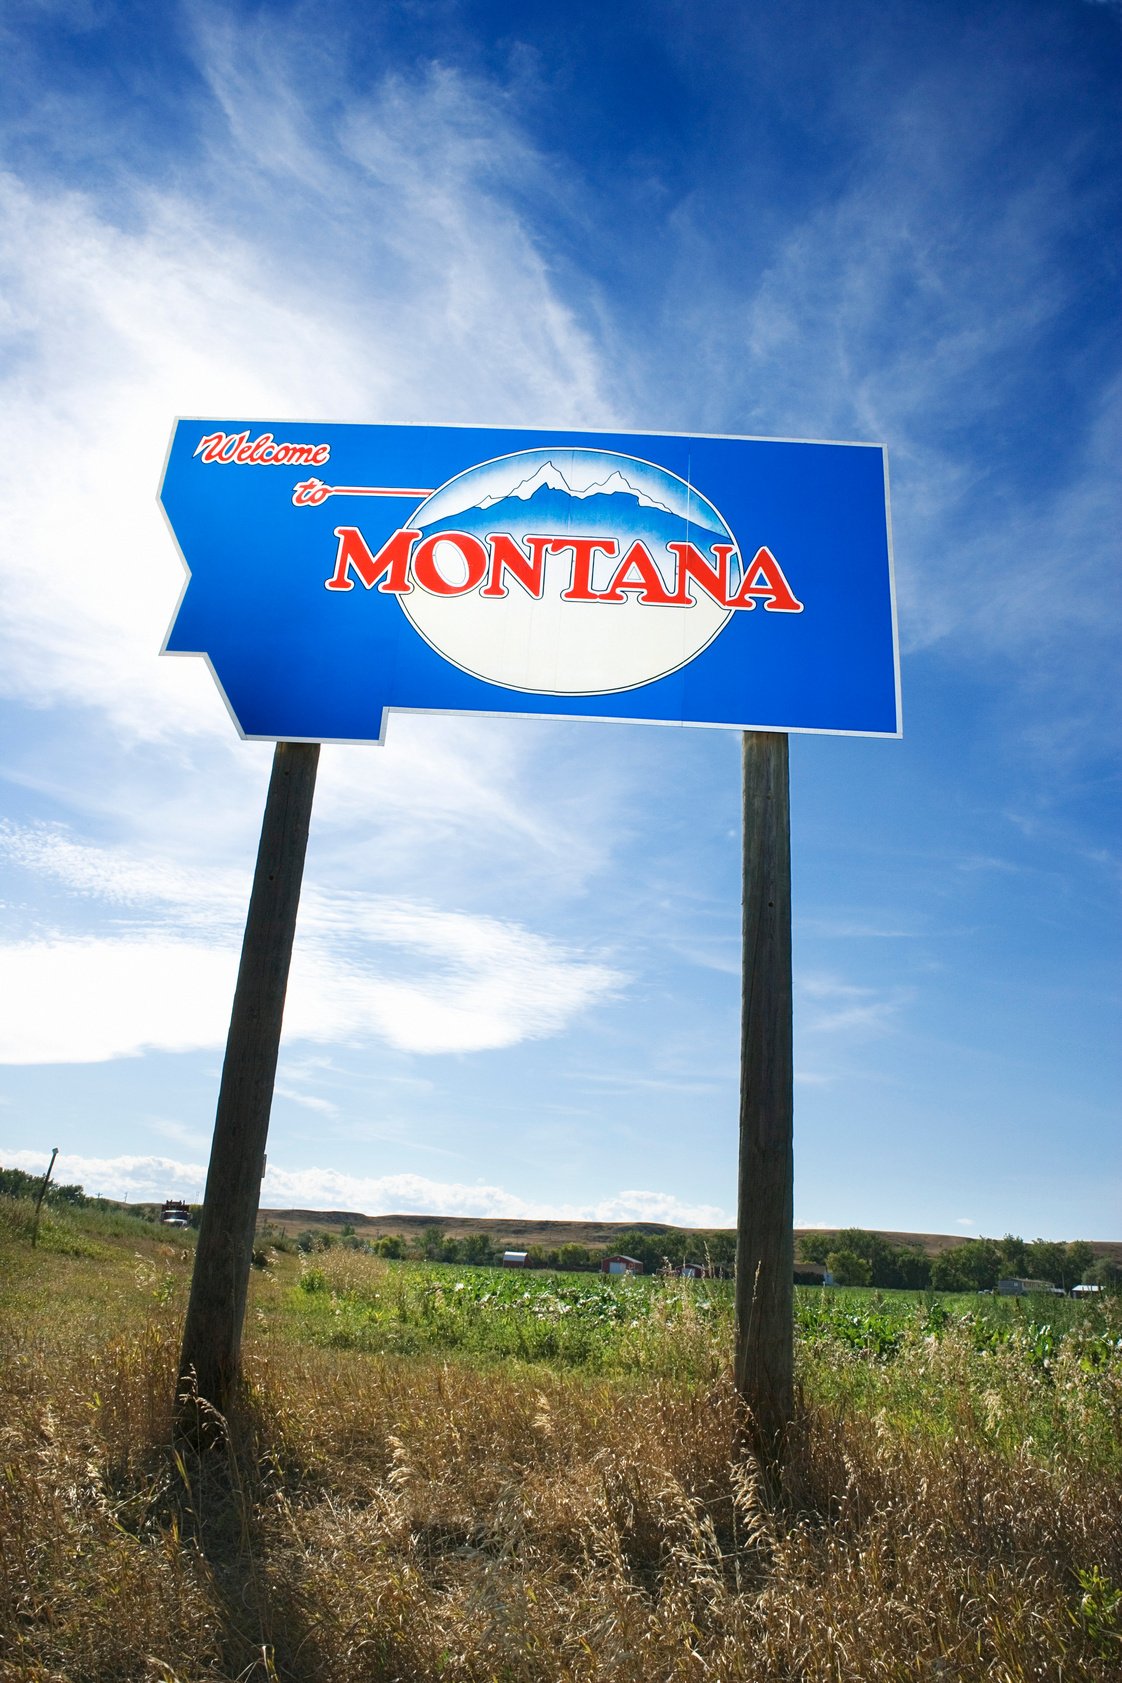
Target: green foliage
274	1237
901	1266
973	1265
78	1230
606	1325
946	1275
477	1248
1100	1612
659	1250
313	1239
1080	1257
849	1269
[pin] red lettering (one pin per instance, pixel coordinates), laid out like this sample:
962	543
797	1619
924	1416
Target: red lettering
764	582
584	554
428	574
692	564
647	579
209	446
259	452
392	559
509	557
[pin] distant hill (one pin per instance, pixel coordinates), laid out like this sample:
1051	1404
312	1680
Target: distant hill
520	1233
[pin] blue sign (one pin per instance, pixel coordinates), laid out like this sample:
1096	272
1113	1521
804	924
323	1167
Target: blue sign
336	572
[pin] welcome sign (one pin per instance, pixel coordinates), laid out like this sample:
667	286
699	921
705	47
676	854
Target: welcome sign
338	572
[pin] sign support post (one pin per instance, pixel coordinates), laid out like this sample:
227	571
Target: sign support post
210	1365
764	1361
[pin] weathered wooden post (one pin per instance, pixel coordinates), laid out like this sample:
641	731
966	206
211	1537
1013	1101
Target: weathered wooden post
210	1365
39	1199
765	1262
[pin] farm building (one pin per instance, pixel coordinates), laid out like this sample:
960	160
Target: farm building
514	1259
692	1271
1027	1288
621	1265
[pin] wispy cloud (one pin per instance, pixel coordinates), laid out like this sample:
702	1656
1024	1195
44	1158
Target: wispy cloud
469	984
444	981
831	1005
925	298
855	929
309	1101
129	308
180	1132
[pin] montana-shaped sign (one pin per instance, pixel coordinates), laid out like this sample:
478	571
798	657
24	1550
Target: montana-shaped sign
337	572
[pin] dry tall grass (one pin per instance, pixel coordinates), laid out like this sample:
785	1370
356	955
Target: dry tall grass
378	1518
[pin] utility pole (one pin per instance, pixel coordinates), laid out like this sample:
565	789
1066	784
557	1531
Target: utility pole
210	1365
765	1260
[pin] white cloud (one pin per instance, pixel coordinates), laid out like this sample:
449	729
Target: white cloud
156	1177
479	984
84	1000
118	332
660	1206
134	1177
364	966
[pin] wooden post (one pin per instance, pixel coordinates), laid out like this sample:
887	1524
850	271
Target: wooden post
210	1365
39	1200
765	1259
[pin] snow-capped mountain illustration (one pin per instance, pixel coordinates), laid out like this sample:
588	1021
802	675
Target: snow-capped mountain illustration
609	494
609	515
550	477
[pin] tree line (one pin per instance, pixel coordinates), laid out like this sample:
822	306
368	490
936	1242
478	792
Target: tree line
15	1183
715	1252
854	1256
857	1258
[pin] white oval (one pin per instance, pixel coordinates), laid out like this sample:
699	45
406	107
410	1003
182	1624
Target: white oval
549	646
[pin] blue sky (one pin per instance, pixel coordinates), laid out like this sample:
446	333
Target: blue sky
516	985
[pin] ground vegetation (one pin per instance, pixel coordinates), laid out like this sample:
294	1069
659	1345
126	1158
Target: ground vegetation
425	1482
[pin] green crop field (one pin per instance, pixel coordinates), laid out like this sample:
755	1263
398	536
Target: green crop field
447	1472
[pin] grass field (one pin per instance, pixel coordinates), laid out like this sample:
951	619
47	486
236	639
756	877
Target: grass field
461	1474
